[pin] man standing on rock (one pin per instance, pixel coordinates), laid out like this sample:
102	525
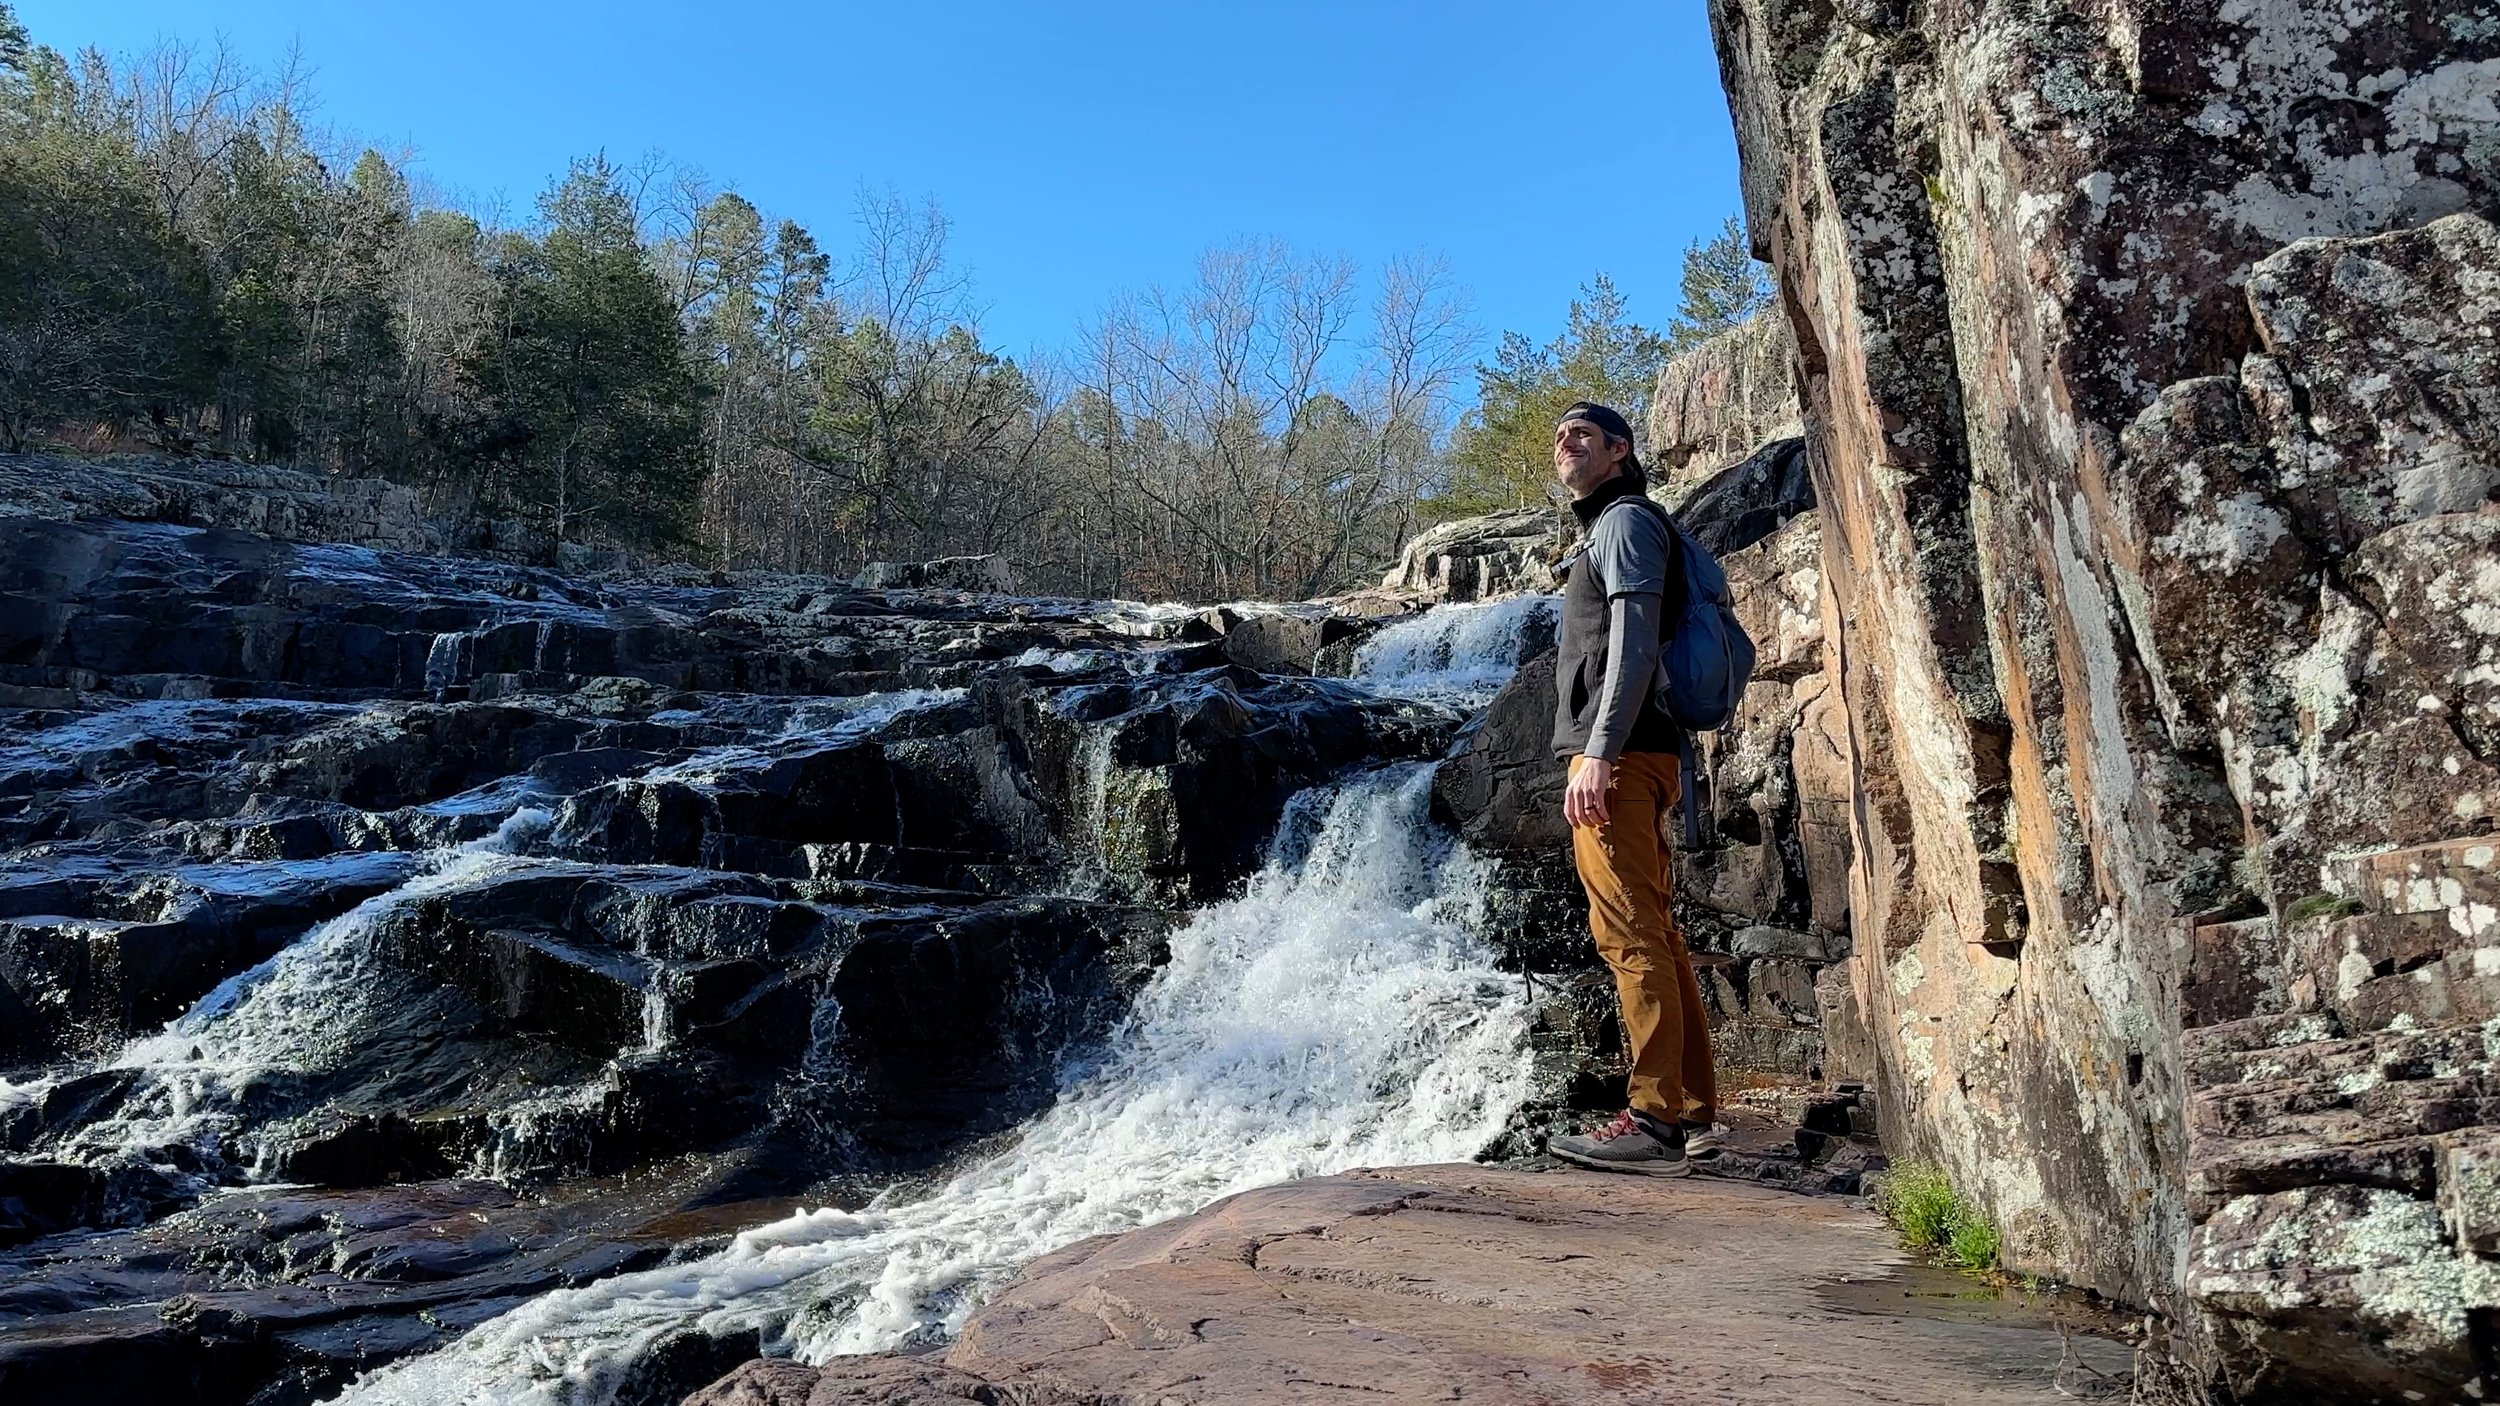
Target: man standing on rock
1620	588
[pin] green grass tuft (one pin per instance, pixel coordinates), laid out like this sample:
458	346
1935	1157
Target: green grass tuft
1974	1244
2322	905
1934	1219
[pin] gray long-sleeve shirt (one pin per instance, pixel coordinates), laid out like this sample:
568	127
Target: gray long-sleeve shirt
1628	551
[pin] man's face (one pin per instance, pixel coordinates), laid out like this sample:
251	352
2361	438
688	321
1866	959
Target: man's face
1583	458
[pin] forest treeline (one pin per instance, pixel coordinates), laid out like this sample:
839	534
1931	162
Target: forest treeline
650	361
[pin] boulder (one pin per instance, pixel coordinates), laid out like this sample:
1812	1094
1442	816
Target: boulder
990	573
1734	507
1477	558
1280	643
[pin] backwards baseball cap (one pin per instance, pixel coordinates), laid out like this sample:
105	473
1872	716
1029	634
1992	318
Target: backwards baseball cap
1602	416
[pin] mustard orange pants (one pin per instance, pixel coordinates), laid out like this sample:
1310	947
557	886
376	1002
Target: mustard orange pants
1624	865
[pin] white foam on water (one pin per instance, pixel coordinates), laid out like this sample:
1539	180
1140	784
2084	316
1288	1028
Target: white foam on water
1337	1014
299	1011
815	721
1456	653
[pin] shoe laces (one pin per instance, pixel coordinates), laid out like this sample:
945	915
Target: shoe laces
1622	1126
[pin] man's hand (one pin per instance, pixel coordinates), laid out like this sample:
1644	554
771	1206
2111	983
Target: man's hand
1585	800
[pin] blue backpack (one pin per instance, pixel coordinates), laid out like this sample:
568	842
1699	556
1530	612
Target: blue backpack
1706	661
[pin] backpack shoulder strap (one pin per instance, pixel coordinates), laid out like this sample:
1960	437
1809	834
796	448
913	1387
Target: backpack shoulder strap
1679	594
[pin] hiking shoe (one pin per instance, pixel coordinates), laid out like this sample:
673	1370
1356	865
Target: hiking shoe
1622	1146
1704	1141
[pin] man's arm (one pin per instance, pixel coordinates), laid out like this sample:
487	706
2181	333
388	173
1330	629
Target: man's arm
1631	663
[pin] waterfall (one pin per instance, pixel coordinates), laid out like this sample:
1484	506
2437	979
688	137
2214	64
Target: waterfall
301	1012
1337	1014
445	661
1457	653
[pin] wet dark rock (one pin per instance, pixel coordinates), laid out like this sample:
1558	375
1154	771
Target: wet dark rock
142	610
57	1106
1278	643
281	1296
46	1198
88	961
976	573
1749	500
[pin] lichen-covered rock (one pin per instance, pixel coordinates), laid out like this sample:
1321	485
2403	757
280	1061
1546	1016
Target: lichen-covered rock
1719	401
2147	361
1475	558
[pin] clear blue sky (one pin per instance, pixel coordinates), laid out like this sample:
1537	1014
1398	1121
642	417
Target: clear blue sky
1078	148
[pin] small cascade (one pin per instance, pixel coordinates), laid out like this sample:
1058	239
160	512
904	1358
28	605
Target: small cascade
447	660
1458	654
811	722
292	1017
654	978
1338	1013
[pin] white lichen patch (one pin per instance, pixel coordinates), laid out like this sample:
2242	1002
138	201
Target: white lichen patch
1918	1048
1908	973
2317	1027
2240	531
2411	1279
2351	974
2359	1081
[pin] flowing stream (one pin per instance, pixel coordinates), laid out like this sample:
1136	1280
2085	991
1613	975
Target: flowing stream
1337	1014
1457	654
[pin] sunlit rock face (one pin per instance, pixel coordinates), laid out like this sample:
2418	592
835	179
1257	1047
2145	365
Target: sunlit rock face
1477	558
2146	359
1719	401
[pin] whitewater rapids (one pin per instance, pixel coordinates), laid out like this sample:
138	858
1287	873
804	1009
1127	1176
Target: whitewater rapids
1337	1014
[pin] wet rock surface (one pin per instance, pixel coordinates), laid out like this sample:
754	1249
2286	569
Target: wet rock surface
2145	361
513	919
286	1294
1444	1283
290	504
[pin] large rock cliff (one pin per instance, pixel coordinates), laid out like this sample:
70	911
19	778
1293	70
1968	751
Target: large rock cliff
1719	401
2146	356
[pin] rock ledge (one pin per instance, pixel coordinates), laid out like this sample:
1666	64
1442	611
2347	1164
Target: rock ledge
1467	1283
